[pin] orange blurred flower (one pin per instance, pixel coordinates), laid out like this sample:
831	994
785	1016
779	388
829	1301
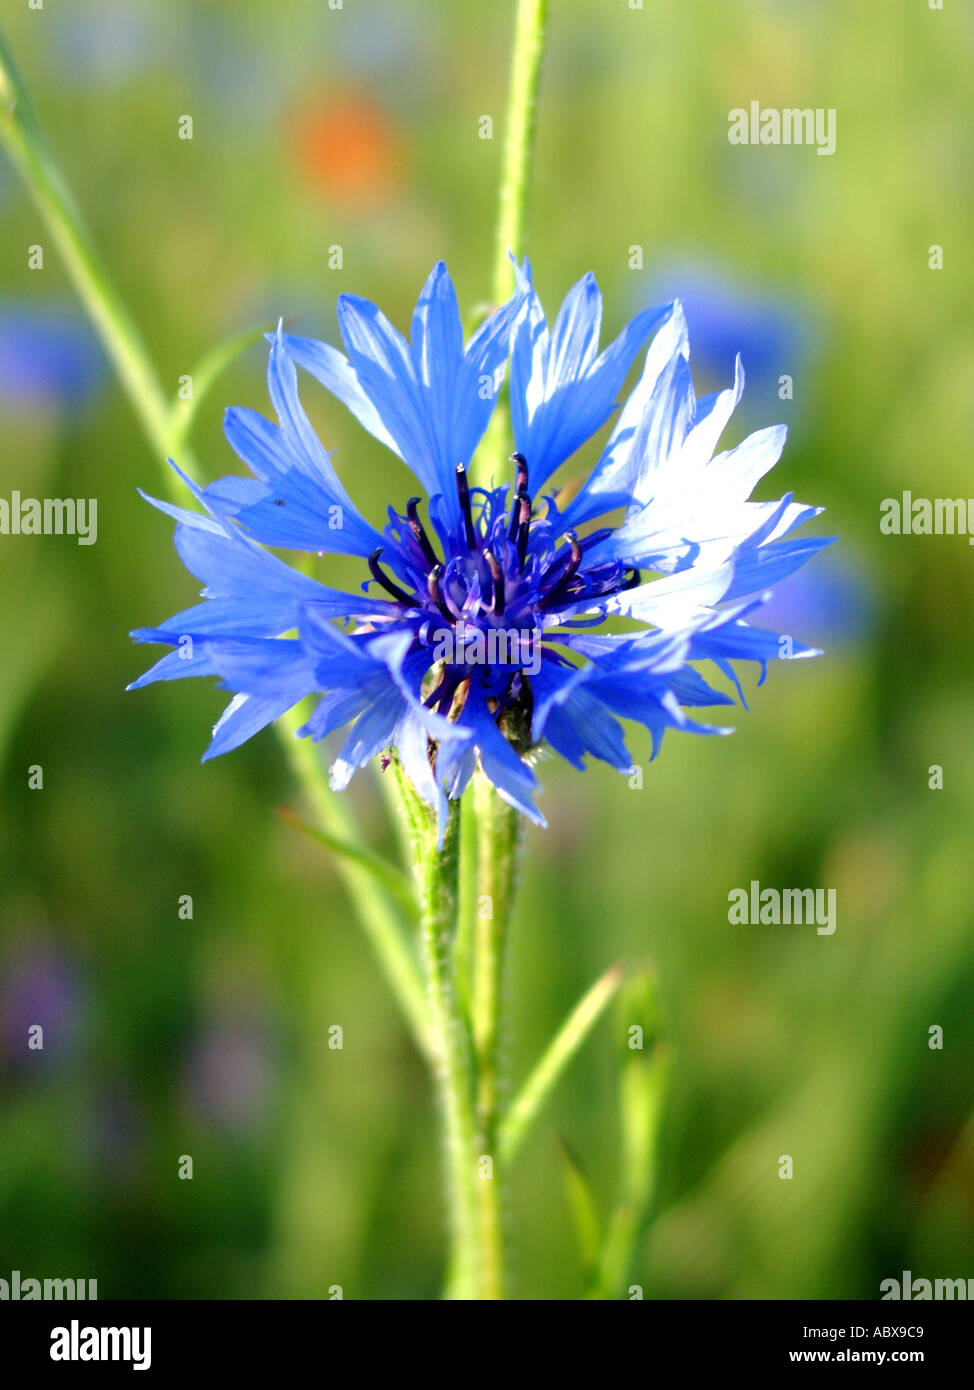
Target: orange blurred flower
348	149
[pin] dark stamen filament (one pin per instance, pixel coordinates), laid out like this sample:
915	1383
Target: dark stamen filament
574	559
398	594
521	483
560	589
497	575
515	515
463	489
436	593
520	507
450	696
416	526
523	525
443	693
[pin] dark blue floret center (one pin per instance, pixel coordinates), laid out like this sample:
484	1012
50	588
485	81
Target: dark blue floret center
486	606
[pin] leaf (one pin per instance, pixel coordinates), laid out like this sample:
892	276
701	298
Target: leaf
388	875
553	1062
644	1071
183	413
585	1215
641	1086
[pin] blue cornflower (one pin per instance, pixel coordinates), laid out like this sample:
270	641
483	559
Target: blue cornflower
773	332
473	639
48	358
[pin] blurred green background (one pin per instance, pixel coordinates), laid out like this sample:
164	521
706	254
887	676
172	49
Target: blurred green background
358	128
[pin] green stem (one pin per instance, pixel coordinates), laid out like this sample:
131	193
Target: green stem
498	826
522	101
25	142
498	840
437	880
162	425
466	924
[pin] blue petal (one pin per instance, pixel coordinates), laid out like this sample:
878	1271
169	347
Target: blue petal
371	733
245	716
561	393
299	501
573	721
412	745
264	666
431	401
767	565
189	659
514	780
337	375
286	508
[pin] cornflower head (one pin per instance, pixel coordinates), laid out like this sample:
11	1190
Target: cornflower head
487	624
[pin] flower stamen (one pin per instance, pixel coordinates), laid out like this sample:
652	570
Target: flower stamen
521	525
382	578
419	532
436	593
497	577
561	588
521	480
463	489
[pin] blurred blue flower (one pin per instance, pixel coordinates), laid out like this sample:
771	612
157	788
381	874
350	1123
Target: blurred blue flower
242	80
39	985
473	638
832	605
771	332
49	358
106	41
229	1071
389	39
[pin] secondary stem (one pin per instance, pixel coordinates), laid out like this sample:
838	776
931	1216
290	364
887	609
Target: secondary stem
498	836
529	40
522	100
498	826
122	341
437	872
